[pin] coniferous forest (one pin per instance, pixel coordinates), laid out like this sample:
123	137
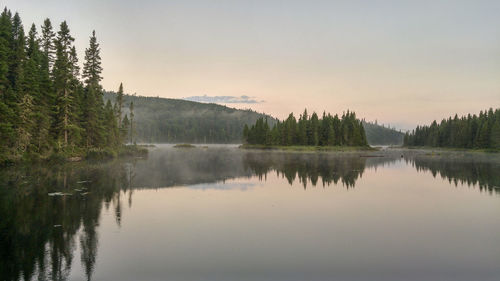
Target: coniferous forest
472	131
166	120
330	130
381	135
48	105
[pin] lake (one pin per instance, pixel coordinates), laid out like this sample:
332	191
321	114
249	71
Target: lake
221	213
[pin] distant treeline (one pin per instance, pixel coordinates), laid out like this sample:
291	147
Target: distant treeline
380	135
472	131
47	104
163	120
308	130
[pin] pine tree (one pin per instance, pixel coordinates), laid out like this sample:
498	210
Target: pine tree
18	55
119	104
23	109
47	44
92	68
32	108
126	126
302	134
112	132
495	132
331	136
63	82
7	98
93	112
131	132
314	130
47	93
482	138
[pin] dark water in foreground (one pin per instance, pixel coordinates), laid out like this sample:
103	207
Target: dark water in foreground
226	214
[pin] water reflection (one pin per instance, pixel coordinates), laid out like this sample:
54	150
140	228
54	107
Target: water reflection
328	168
463	170
39	233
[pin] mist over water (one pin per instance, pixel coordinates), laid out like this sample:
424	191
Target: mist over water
221	213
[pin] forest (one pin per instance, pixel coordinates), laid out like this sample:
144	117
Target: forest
330	130
381	135
472	132
48	105
164	120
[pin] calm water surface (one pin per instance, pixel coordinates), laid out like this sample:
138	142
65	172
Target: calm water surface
219	213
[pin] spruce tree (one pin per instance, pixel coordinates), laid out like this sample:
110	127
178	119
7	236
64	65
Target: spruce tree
7	99
495	132
111	125
32	107
47	44
131	132
125	128
119	104
93	112
63	82
18	55
314	130
46	63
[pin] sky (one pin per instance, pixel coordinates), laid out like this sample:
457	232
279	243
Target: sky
401	63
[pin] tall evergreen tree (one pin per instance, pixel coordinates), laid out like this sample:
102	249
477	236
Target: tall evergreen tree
63	80
7	97
47	44
47	47
93	113
111	125
18	55
131	132
495	132
119	104
313	130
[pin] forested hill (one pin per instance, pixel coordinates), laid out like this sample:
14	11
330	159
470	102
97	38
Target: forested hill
163	120
381	135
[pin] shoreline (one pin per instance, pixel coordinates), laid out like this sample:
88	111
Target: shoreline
93	154
309	148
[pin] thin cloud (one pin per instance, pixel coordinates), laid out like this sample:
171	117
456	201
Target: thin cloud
223	99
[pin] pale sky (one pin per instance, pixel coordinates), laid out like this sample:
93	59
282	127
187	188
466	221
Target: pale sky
401	62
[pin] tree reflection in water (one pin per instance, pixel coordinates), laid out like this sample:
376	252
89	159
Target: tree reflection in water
470	171
39	233
330	168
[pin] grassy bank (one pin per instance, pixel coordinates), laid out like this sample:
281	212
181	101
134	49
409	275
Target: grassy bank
307	148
